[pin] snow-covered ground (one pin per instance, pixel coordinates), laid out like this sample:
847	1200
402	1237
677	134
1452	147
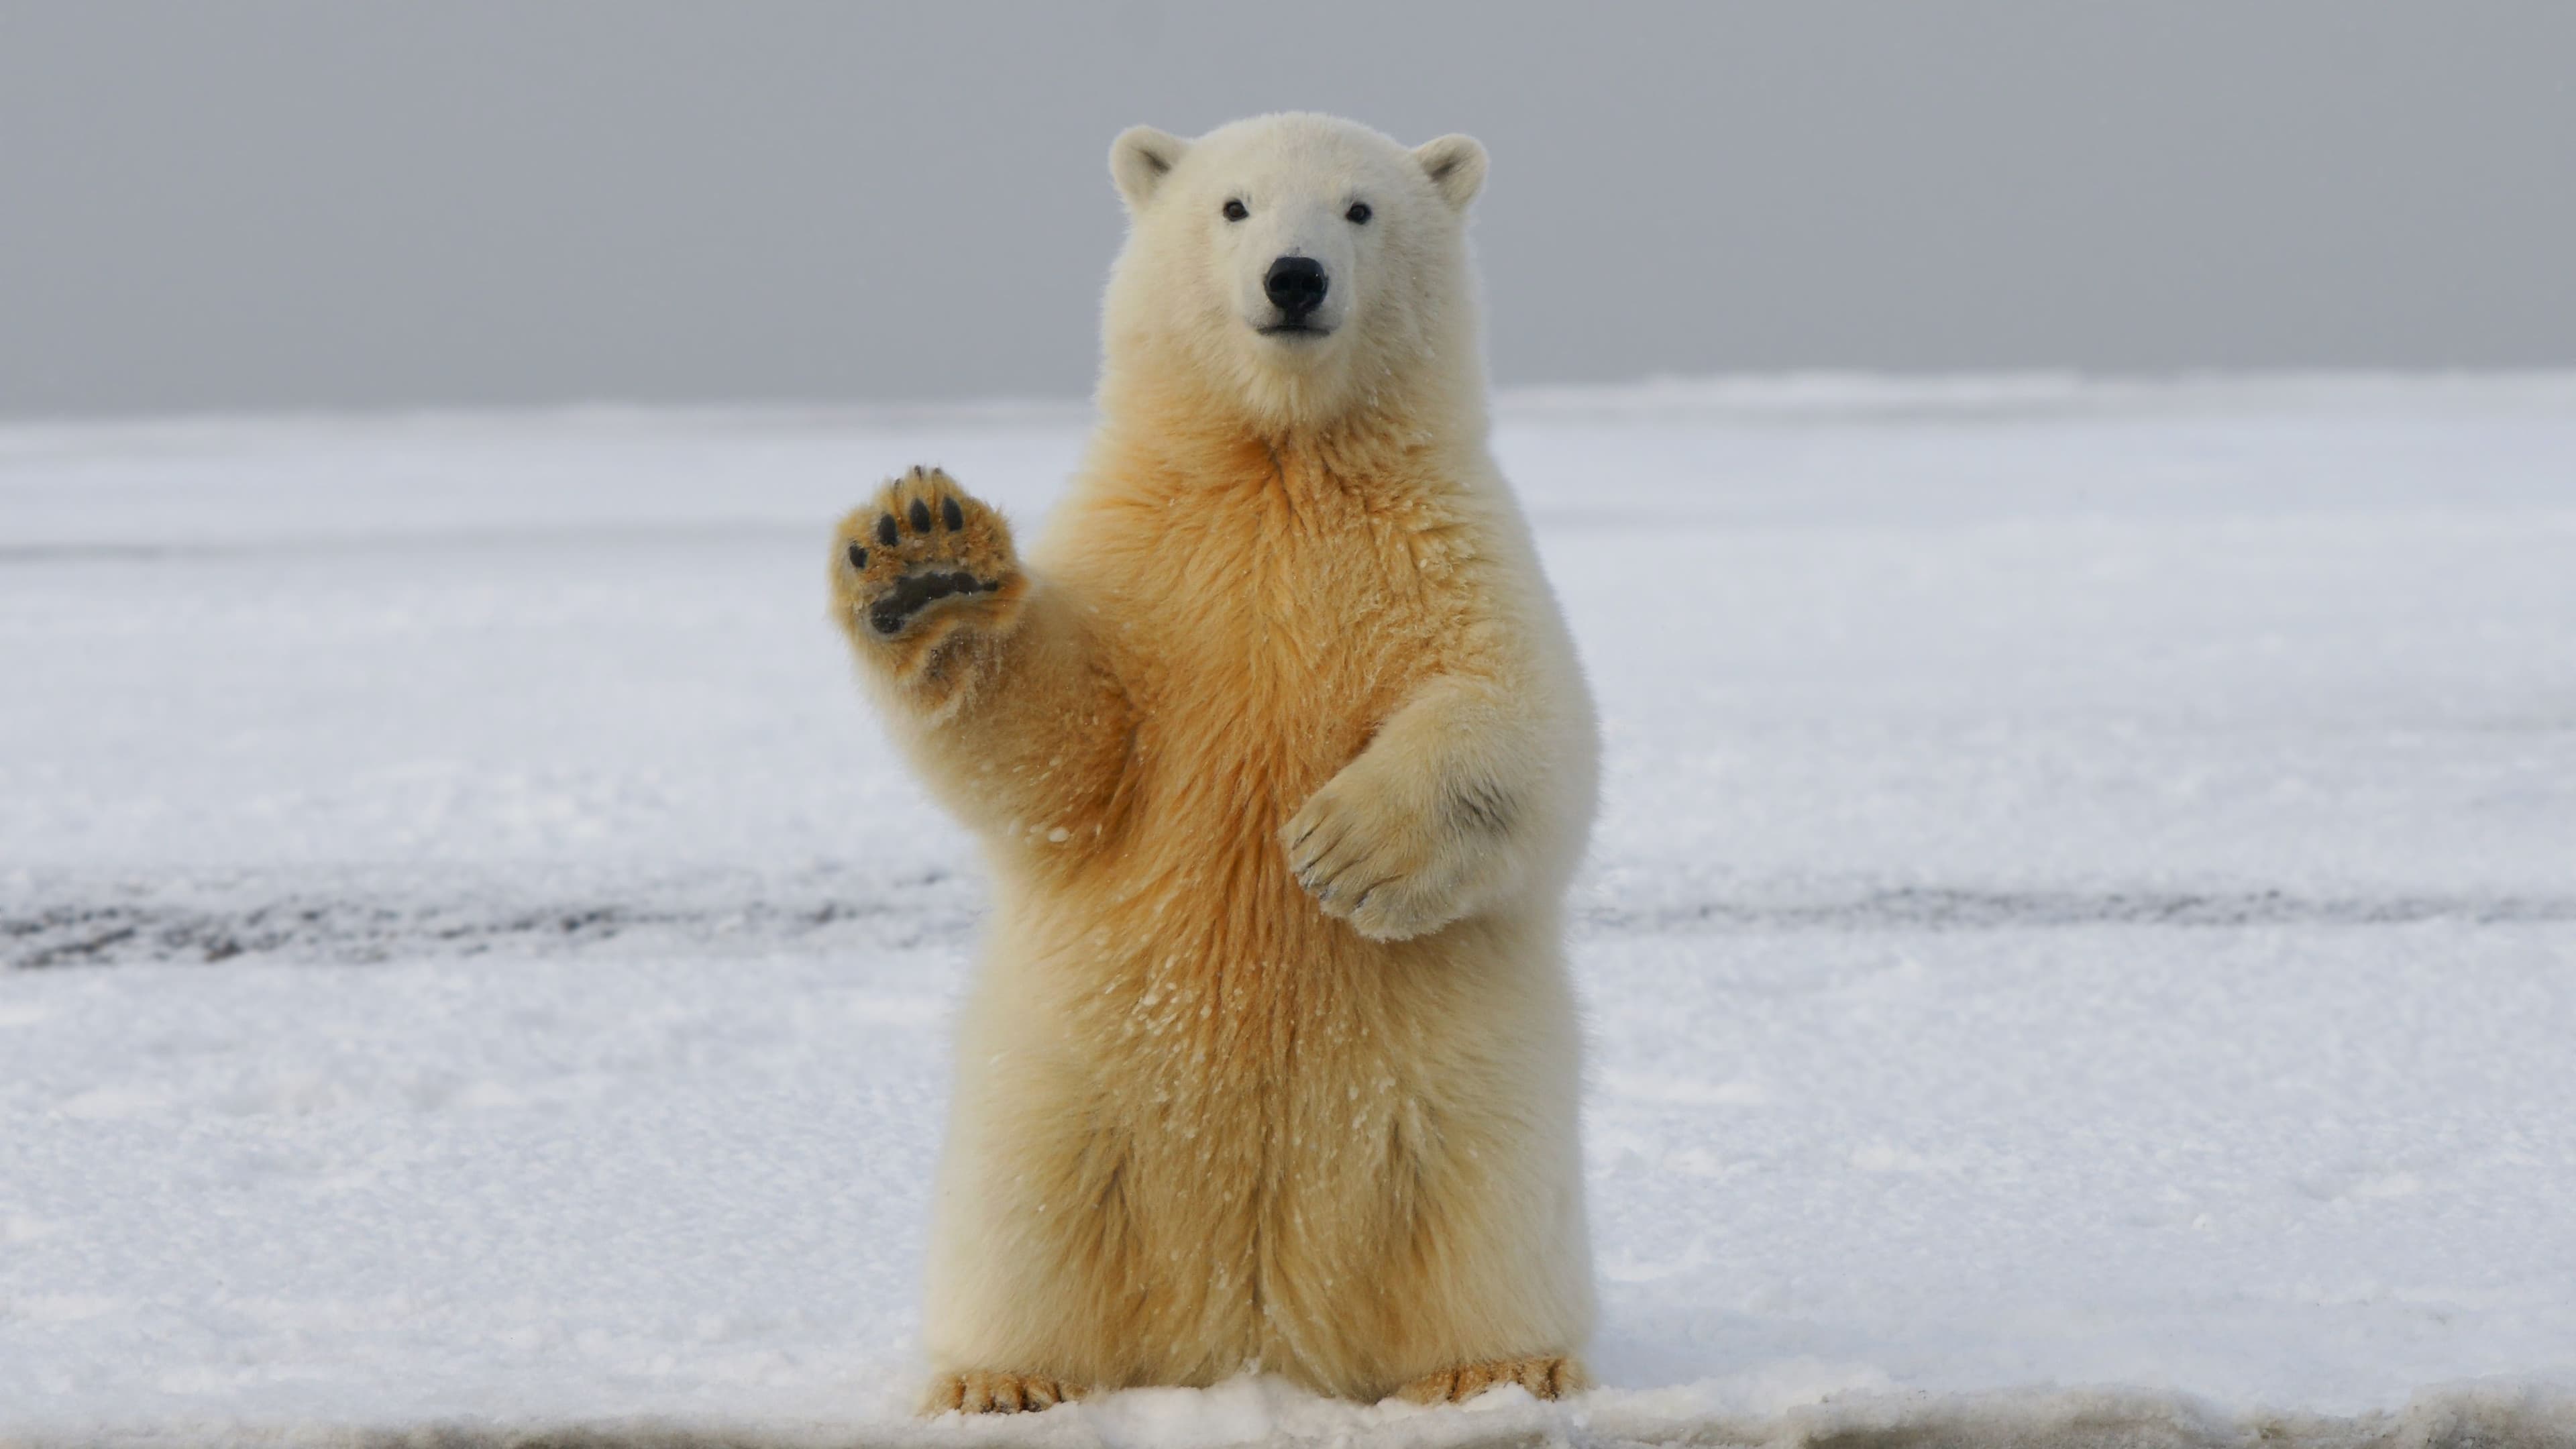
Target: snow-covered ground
2081	939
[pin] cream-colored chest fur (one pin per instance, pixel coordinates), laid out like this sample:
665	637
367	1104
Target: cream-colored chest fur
1264	619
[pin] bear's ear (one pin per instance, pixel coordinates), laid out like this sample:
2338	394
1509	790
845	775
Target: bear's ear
1455	164
1139	160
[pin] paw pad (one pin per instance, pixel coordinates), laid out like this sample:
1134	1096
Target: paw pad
895	608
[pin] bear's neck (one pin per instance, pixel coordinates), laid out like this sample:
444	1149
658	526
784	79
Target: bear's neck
1429	425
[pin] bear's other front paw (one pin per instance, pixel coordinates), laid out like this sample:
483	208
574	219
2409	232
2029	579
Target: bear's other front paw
1374	859
922	559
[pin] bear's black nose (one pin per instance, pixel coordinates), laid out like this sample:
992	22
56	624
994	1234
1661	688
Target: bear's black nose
1296	285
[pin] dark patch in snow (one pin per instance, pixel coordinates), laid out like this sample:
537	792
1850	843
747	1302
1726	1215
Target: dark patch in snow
937	908
105	933
1938	908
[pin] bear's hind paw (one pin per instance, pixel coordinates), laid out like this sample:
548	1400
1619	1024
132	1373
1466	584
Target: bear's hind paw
1547	1377
997	1393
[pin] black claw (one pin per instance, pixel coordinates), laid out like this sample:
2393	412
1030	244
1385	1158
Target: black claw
951	514
858	557
885	529
920	516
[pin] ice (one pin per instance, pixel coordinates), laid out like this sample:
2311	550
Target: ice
2080	946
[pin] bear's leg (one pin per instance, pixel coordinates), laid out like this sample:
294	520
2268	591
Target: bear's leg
1074	1241
1494	1287
989	676
1431	1229
1031	1242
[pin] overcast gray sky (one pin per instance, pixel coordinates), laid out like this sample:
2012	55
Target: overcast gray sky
298	206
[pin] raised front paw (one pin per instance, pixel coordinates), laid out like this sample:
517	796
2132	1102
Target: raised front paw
921	560
1372	854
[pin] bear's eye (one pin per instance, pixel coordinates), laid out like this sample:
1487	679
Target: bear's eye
1234	211
1359	213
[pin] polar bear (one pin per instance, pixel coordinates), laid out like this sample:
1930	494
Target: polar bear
1279	751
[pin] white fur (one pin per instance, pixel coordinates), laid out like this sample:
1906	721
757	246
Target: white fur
1283	771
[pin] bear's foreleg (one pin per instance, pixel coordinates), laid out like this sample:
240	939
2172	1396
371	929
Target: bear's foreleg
989	675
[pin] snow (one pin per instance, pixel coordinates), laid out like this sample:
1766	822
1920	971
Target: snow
2080	946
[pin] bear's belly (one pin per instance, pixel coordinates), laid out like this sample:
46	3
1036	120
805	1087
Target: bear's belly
1272	1087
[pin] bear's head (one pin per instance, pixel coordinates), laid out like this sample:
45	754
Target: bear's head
1294	269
